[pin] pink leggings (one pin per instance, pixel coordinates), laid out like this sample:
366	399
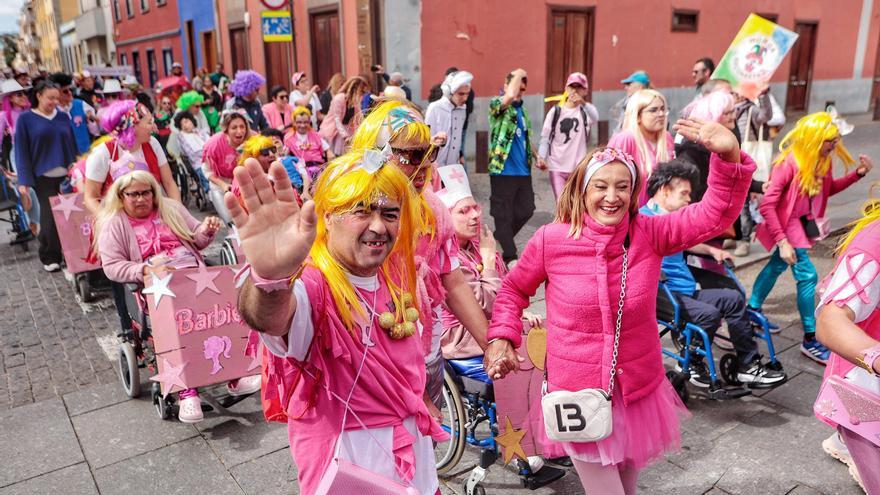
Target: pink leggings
557	182
606	480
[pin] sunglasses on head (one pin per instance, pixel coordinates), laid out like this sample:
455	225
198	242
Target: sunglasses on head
416	157
267	151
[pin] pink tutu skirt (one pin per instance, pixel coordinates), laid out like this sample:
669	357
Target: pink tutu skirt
642	432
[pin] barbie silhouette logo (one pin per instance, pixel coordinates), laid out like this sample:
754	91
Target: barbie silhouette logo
215	346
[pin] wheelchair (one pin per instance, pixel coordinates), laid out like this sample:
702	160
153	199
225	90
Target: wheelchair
468	407
689	340
136	351
190	185
10	203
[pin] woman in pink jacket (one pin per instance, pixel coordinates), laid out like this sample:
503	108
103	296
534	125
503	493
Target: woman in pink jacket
794	212
139	231
580	259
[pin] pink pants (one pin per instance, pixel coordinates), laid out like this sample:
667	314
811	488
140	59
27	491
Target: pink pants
557	182
606	480
866	456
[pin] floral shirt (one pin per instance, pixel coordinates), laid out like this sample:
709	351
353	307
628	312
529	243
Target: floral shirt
502	129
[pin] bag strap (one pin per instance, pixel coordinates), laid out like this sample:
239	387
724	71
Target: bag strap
556	111
748	124
619	314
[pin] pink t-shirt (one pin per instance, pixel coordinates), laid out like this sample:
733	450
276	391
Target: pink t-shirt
155	238
569	144
220	156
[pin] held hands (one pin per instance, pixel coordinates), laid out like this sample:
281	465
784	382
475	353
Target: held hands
865	165
275	233
541	163
500	359
720	255
714	136
211	225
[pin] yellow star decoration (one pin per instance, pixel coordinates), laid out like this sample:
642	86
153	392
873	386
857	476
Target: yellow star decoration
511	441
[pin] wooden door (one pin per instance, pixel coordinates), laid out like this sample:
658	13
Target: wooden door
569	47
277	64
326	47
238	49
875	86
209	50
801	72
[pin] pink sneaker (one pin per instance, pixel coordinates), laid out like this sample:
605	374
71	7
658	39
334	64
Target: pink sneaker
244	386
190	410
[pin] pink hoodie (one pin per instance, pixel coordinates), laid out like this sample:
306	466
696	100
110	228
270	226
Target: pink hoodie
781	195
582	286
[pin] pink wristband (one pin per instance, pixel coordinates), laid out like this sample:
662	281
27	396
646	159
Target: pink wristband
870	355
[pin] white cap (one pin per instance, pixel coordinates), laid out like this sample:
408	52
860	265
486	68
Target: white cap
112	86
394	92
456	186
130	80
10	86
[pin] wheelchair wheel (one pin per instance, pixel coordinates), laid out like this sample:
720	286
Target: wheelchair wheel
679	383
478	489
84	289
227	253
454	420
129	373
728	369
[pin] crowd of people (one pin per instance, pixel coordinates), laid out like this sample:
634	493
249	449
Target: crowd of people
369	262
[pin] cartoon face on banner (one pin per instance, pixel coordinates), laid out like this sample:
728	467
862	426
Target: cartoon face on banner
755	58
74	225
198	334
518	401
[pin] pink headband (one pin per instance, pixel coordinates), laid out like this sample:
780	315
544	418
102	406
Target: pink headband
606	156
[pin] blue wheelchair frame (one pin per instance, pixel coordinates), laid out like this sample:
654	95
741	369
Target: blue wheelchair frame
690	332
10	201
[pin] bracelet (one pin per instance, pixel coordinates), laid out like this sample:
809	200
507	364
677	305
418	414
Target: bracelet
869	355
265	284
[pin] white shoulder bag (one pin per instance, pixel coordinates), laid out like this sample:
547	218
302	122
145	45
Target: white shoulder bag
585	415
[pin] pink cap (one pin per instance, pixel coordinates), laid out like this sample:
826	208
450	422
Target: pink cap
296	77
577	78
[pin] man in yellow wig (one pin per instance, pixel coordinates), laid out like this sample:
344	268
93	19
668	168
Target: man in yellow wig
399	128
331	287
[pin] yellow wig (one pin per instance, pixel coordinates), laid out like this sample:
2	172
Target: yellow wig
402	125
805	142
343	186
251	148
301	110
870	214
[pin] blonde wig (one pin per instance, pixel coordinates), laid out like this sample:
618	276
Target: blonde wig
637	102
401	125
870	214
805	143
253	145
343	186
113	204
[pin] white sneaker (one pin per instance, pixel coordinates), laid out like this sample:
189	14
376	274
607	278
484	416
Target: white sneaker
190	410
835	447
52	267
742	249
244	386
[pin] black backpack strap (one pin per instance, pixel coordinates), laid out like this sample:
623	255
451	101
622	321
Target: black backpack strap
586	126
555	120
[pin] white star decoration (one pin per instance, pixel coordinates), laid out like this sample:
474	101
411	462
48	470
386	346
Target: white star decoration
67	205
170	376
204	280
160	288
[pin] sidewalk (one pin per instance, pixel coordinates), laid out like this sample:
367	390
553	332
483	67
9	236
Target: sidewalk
67	427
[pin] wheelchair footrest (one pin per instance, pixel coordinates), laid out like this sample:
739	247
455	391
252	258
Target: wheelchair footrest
721	393
543	477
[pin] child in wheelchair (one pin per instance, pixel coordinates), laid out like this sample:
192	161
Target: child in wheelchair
483	270
140	232
669	189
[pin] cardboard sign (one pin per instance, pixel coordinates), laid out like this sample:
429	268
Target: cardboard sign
74	225
755	54
198	334
518	401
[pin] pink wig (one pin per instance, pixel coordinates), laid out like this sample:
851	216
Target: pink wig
8	110
120	119
710	107
246	82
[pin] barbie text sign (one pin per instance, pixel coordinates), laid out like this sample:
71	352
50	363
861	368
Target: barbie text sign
74	225
198	333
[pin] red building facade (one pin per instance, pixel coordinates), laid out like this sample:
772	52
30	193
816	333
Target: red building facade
147	35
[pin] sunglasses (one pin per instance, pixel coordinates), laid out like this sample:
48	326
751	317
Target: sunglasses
18	93
283	97
138	194
416	157
267	152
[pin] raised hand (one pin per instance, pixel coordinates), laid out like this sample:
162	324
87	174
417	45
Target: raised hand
275	233
865	165
714	136
212	225
488	247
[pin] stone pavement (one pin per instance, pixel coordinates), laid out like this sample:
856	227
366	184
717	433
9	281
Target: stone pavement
65	424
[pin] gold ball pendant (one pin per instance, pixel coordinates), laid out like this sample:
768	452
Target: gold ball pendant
409	328
411	314
387	320
397	331
407	300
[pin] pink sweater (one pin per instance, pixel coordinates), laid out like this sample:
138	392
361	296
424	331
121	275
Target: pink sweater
119	251
783	192
582	286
